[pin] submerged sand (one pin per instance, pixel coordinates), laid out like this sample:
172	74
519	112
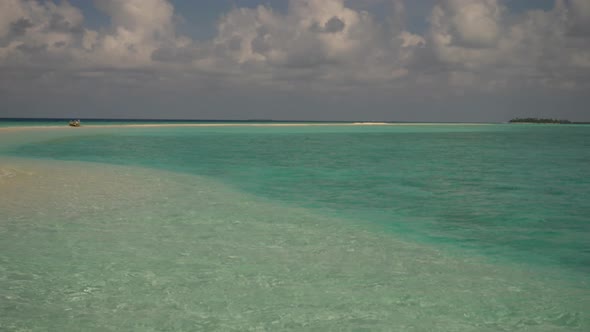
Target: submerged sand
89	246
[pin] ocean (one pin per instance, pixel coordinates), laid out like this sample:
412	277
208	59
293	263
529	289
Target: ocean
420	227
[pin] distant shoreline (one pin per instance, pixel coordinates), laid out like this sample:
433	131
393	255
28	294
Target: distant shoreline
275	124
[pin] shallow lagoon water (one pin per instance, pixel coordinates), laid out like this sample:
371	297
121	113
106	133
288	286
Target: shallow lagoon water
193	240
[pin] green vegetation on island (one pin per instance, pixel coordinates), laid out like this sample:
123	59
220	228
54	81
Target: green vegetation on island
539	120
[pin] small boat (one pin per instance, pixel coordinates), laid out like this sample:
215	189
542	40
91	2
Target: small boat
74	123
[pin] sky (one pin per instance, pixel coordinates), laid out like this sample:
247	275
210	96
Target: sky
357	60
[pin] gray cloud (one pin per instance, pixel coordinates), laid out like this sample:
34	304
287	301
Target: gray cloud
317	49
20	26
32	49
334	25
578	18
171	55
260	45
59	23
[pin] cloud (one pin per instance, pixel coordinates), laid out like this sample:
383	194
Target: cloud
481	38
138	28
20	26
337	43
579	16
314	47
468	23
334	25
38	34
178	53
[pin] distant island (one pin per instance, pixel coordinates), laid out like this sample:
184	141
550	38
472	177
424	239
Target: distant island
539	120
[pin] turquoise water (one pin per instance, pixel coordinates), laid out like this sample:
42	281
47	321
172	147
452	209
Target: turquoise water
450	228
